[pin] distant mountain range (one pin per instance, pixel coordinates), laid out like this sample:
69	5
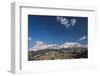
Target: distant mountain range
68	50
42	46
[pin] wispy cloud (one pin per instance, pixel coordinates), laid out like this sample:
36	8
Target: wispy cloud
82	38
29	38
73	21
66	22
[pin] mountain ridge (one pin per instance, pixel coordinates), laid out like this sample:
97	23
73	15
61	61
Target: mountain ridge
40	45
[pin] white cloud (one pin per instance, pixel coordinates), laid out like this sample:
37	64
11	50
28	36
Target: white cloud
29	38
82	38
58	18
66	22
73	21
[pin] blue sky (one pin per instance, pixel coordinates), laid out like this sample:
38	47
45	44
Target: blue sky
57	29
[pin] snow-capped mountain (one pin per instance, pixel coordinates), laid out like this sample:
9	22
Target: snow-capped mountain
38	46
71	44
41	46
53	46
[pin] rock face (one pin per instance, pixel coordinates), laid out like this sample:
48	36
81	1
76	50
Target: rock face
68	50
